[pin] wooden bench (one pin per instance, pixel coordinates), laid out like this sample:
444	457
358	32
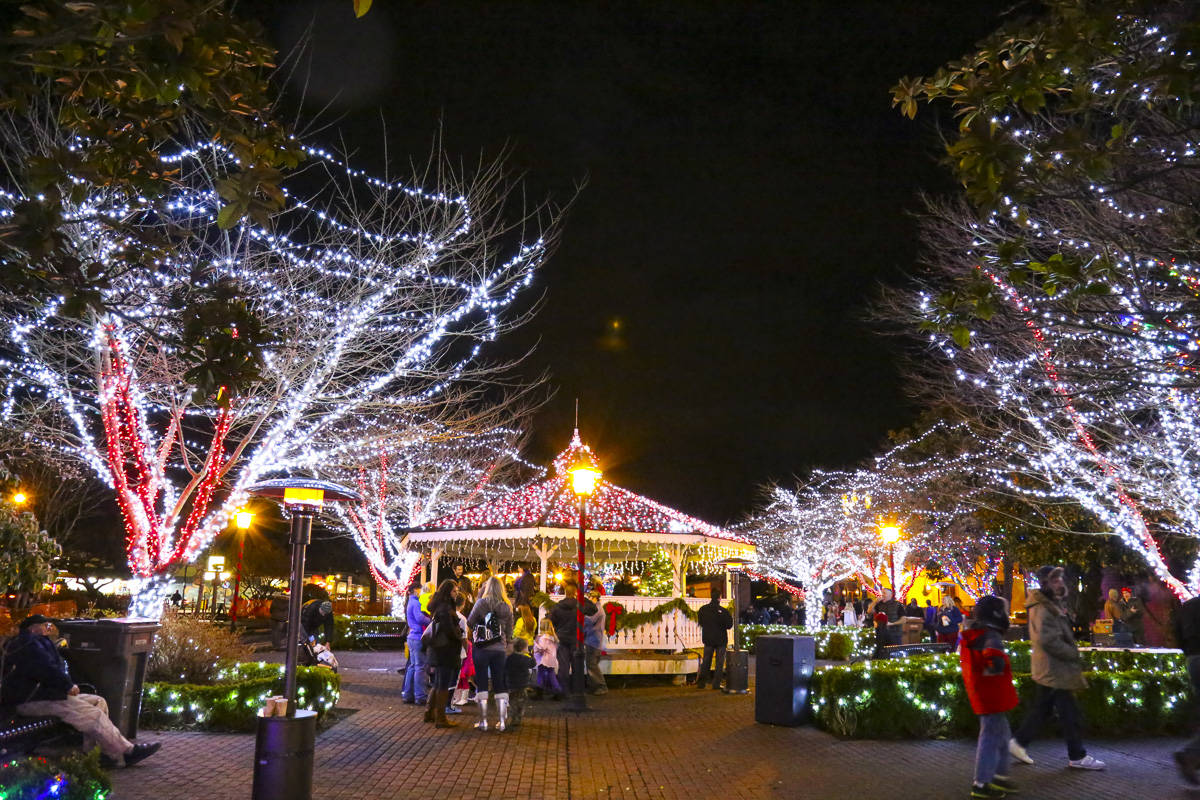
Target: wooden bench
21	735
392	632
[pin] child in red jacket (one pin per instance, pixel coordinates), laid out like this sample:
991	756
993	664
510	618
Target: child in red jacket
987	674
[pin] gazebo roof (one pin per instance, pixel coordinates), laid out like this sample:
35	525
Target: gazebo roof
550	503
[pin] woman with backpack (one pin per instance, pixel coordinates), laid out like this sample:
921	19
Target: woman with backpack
491	627
442	643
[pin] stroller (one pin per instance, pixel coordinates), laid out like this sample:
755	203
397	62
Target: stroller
313	654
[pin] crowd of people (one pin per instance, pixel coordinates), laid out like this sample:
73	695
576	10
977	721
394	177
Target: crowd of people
485	645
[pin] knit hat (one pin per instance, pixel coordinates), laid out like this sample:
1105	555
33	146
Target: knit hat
992	611
1045	573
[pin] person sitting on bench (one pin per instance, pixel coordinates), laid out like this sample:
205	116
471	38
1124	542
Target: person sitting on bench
36	682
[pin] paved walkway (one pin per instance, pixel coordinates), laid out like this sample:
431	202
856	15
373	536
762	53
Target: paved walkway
640	742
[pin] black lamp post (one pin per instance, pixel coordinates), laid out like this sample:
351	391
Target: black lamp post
283	749
584	478
737	668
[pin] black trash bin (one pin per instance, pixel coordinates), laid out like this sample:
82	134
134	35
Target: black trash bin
283	757
111	655
279	612
783	669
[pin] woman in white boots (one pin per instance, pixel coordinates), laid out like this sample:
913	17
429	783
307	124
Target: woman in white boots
491	626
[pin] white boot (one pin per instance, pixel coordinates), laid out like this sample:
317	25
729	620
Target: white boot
460	697
502	704
481	699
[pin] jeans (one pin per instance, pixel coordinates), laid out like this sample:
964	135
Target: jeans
1192	748
1062	701
445	676
566	666
717	672
416	681
991	754
595	676
490	660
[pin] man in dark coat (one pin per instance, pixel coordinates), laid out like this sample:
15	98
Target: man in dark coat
1135	615
1187	634
562	616
317	617
889	605
715	623
37	683
523	588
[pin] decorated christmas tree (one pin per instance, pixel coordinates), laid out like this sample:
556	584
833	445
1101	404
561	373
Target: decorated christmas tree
659	578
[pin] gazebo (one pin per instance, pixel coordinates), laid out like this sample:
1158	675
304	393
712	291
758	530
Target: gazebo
540	521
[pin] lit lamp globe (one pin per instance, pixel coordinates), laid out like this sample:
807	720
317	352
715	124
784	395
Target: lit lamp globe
584	478
243	519
20	498
890	534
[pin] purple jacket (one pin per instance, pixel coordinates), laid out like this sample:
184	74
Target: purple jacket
415	617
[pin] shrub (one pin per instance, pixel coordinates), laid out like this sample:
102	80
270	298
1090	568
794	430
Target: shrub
923	697
74	776
343	634
833	644
233	703
189	649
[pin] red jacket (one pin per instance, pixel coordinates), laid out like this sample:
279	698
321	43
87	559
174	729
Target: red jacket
986	671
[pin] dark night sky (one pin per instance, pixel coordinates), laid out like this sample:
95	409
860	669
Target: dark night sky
747	187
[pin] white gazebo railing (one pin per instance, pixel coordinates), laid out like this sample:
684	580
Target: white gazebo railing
674	632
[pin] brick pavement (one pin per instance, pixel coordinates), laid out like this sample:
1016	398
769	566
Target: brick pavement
640	742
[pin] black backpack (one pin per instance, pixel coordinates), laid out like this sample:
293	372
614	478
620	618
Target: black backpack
489	631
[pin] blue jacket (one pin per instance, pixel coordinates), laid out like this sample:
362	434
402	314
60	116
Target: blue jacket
33	670
955	617
415	617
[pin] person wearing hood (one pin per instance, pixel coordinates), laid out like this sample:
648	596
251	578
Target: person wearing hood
1056	668
987	676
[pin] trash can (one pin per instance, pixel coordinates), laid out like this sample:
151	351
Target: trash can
784	666
737	672
283	757
111	655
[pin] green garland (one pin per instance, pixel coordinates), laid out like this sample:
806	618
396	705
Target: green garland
233	704
627	620
74	776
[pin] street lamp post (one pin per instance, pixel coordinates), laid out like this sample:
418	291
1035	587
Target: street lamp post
243	519
584	477
737	667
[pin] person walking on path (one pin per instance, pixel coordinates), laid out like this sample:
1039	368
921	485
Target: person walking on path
1056	668
987	676
416	679
491	626
1187	634
1135	615
37	683
715	622
443	642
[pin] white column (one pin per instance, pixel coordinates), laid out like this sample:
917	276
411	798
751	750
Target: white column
677	555
435	554
544	554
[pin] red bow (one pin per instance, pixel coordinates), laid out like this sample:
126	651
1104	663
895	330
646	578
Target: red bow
612	611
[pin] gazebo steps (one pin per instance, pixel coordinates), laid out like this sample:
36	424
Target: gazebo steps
648	662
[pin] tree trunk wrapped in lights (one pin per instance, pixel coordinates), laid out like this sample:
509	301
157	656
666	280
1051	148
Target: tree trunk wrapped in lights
375	297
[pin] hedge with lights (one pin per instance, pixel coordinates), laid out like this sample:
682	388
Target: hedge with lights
923	697
833	644
73	776
233	703
345	636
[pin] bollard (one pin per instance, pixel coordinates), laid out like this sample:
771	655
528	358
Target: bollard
283	757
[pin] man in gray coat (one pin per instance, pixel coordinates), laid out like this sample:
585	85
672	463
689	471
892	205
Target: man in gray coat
1057	670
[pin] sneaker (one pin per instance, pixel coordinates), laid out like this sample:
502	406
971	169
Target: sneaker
140	752
1187	767
1016	751
452	710
1087	762
988	792
1003	782
408	701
